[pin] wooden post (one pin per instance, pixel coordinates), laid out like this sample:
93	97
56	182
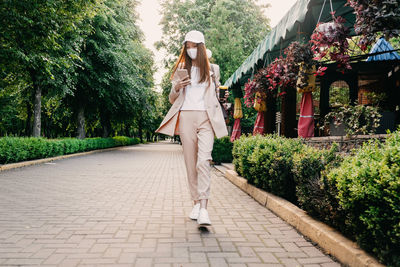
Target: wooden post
269	118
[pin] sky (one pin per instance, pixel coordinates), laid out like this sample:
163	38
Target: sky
149	11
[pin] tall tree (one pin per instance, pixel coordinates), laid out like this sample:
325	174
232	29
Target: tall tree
39	44
117	69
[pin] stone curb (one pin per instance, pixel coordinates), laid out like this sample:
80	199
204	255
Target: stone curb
334	243
40	161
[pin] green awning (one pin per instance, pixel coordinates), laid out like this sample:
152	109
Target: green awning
298	24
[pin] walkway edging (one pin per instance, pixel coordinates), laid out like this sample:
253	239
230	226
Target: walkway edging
334	243
40	161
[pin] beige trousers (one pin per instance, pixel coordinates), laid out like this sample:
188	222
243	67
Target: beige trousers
197	137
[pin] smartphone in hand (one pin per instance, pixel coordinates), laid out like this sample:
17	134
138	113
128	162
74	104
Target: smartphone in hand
222	90
182	73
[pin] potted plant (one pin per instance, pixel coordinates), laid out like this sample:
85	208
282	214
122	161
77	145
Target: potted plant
352	119
329	40
388	116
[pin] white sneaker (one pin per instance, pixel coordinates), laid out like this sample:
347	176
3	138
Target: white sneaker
203	218
195	212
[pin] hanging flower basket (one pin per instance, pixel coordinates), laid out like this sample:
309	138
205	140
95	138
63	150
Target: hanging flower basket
250	90
238	112
306	79
330	40
260	84
260	103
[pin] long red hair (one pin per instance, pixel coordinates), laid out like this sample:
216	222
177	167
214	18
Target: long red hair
202	62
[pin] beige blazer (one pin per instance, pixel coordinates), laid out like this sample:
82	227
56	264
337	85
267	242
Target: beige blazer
170	124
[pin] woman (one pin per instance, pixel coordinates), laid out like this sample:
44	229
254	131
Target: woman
196	116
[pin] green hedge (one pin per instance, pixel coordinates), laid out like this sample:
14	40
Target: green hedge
315	193
271	166
368	186
222	150
358	194
242	149
266	162
15	149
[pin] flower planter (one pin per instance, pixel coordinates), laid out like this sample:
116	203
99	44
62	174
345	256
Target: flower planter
339	130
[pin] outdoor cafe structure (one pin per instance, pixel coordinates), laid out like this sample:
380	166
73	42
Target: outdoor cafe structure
377	70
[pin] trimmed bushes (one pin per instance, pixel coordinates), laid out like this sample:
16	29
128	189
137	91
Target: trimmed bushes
15	149
266	162
242	149
368	186
222	150
271	165
358	194
315	193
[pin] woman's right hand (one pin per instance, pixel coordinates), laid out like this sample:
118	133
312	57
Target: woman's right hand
182	84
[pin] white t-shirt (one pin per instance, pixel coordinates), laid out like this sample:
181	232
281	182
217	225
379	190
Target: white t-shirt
194	95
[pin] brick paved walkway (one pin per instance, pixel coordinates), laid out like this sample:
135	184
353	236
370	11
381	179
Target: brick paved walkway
129	208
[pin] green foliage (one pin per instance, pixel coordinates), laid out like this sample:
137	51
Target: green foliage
236	28
368	186
249	117
316	194
266	162
271	166
242	149
83	56
222	150
117	71
166	88
34	34
358	194
15	149
358	119
338	96
40	43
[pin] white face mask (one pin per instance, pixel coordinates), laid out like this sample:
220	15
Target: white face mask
192	53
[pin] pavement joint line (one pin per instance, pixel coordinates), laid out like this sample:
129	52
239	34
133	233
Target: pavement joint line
333	242
27	163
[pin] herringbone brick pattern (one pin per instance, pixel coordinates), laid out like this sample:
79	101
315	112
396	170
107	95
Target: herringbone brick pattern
129	207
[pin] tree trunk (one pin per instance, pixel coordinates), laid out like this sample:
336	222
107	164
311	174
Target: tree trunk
37	107
127	130
105	123
140	130
106	131
80	132
28	123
